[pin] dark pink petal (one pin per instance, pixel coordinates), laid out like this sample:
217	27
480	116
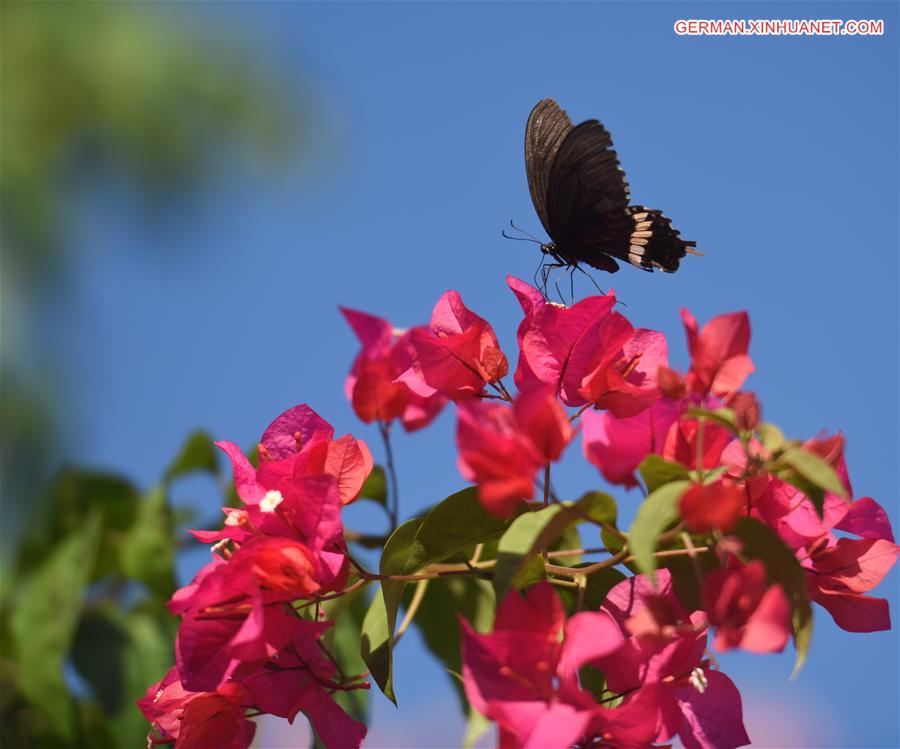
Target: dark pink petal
539	725
539	612
713	719
374	333
350	462
855	613
589	635
495	455
855	565
215	720
769	627
294	428
541	418
559	345
244	473
617	446
868	519
719	360
715	505
632	385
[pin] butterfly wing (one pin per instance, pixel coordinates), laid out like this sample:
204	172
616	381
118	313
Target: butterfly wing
547	127
588	212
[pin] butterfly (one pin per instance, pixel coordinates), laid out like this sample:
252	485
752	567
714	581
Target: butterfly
582	198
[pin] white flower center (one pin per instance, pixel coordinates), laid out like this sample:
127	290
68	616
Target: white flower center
271	501
698	680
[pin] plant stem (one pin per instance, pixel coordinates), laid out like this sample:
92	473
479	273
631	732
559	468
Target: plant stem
411	610
394	503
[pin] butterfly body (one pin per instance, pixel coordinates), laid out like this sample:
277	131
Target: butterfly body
582	198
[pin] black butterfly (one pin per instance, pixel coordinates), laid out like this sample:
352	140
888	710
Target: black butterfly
581	195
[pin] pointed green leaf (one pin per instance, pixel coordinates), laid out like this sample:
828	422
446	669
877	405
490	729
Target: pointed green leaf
657	471
656	513
375	487
375	647
44	620
811	467
148	553
771	436
722	416
198	453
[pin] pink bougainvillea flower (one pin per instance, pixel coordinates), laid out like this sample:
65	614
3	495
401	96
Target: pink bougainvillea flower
665	668
559	346
300	443
839	574
719	359
746	410
502	447
301	678
684	443
747	610
525	678
866	518
617	446
715	505
457	354
373	387
234	617
197	720
626	384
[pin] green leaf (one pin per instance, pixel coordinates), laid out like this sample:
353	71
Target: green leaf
763	543
74	495
812	468
723	416
198	453
656	513
657	471
375	647
517	564
375	487
476	727
436	619
456	524
451	527
599	583
44	620
148	553
771	436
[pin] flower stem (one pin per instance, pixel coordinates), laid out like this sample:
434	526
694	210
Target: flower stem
394	499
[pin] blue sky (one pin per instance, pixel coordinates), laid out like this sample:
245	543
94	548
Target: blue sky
777	155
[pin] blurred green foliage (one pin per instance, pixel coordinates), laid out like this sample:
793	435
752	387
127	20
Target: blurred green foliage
84	628
86	90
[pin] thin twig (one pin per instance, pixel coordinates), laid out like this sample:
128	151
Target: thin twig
392	474
411	610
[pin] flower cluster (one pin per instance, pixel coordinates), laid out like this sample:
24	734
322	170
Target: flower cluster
731	476
740	530
242	645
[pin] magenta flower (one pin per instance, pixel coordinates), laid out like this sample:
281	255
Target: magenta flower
197	720
301	678
372	385
457	354
561	346
719	359
663	665
747	611
617	446
524	674
502	447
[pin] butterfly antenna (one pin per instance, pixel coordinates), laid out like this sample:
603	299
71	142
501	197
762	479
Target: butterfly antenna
522	231
518	239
